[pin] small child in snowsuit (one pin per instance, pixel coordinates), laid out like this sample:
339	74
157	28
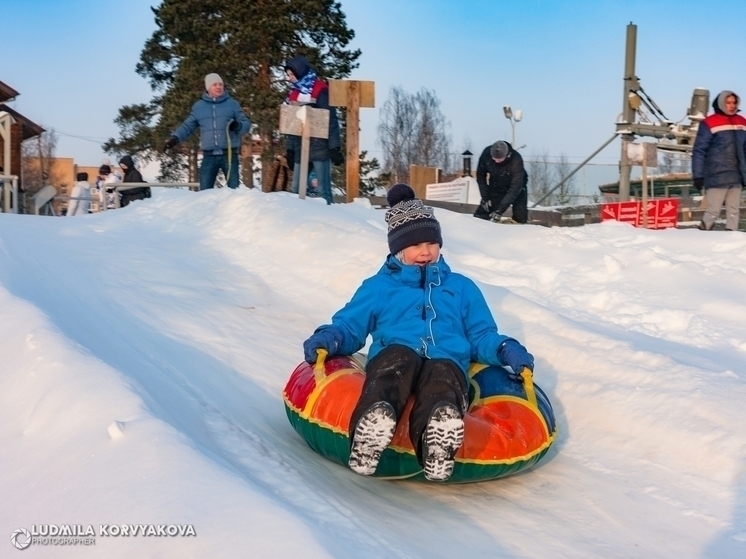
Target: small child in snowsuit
427	323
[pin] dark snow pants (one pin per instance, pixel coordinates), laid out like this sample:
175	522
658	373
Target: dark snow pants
398	372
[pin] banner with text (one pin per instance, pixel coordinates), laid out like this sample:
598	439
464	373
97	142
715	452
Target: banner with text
662	213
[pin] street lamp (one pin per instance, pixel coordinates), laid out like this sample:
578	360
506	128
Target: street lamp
513	118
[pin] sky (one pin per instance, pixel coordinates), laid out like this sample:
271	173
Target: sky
561	63
144	353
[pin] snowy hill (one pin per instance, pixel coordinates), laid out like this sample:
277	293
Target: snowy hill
143	353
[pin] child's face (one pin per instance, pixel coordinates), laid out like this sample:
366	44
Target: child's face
421	254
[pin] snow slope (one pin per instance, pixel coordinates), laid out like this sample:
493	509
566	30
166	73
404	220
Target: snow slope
143	352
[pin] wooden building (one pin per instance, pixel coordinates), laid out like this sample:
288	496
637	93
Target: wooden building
14	129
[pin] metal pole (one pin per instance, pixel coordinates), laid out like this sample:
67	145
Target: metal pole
575	170
644	193
628	114
512	137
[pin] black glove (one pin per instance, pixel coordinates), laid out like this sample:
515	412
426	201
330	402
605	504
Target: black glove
335	154
486	205
699	184
495	216
172	141
234	126
290	156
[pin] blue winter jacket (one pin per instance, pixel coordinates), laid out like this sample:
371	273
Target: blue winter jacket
213	117
438	313
719	152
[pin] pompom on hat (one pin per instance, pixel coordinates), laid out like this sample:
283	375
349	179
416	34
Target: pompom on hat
410	221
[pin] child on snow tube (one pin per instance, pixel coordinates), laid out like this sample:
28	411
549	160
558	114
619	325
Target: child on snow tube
427	323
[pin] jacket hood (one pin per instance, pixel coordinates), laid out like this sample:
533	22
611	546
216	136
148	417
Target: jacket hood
718	105
411	274
127	162
299	65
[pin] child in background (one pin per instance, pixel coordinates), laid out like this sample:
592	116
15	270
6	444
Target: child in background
427	323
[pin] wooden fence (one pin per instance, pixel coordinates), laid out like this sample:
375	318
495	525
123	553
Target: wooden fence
571	216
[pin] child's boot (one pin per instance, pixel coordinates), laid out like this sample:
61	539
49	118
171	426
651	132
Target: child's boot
372	435
441	440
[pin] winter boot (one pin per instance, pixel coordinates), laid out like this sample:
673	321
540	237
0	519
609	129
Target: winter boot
703	227
441	440
372	435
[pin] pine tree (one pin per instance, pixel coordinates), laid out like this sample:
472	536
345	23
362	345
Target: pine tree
245	41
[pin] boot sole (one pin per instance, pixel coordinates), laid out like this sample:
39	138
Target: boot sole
443	437
372	435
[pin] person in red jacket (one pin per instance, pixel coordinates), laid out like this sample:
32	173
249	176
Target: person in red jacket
719	160
306	88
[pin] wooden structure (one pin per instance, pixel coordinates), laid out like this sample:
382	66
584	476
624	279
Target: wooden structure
306	122
352	95
14	129
646	155
570	216
420	176
671	184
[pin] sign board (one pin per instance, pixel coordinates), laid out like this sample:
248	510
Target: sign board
645	153
338	93
662	213
292	118
456	191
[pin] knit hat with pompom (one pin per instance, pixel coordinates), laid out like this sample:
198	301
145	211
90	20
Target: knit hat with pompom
410	221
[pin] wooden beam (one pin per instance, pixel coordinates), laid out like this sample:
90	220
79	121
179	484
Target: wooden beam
353	140
338	93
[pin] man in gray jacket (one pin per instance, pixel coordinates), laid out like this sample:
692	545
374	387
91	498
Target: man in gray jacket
222	123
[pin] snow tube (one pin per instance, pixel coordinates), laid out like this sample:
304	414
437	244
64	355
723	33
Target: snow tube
509	426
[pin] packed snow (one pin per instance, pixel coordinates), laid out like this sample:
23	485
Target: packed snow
143	354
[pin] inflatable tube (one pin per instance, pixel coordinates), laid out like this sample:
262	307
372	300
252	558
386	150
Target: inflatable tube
509	426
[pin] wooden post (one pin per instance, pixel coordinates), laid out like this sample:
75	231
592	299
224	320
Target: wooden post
644	194
352	95
353	140
645	155
305	148
6	122
305	122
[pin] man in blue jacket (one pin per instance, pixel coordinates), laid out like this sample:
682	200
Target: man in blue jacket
222	123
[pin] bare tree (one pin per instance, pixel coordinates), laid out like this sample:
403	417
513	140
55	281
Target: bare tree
544	175
671	162
568	190
539	177
37	160
433	144
413	131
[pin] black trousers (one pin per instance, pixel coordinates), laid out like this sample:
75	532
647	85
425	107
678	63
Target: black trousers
398	372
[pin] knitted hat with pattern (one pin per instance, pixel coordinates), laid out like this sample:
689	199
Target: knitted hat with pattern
410	221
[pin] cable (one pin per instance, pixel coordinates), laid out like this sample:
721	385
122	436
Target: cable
84	138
